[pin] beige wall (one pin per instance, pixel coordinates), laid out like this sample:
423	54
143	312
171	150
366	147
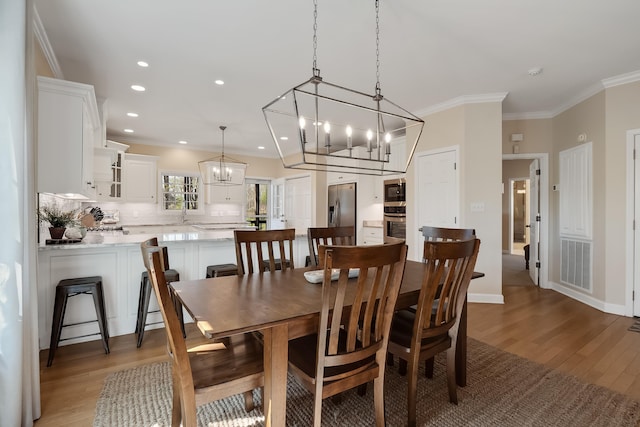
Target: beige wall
477	131
586	117
622	106
537	135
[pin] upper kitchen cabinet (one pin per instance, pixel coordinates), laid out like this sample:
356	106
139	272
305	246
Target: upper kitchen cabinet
230	194
140	178
108	162
68	129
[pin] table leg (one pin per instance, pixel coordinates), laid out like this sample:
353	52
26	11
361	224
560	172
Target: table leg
461	348
276	354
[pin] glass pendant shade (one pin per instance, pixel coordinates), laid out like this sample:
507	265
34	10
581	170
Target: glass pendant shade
222	170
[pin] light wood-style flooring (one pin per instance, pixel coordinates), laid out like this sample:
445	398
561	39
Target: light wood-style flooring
541	325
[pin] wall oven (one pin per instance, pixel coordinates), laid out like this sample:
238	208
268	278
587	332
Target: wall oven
395	209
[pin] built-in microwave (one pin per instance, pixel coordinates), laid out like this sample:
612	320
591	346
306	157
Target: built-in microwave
395	192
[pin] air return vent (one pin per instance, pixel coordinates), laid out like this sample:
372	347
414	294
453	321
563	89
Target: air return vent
575	265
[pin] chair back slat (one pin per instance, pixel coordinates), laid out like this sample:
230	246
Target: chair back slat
328	236
252	246
448	272
358	311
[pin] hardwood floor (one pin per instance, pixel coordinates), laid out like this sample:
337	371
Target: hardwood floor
541	325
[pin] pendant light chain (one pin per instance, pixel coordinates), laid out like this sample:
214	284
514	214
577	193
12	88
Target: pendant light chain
377	48
316	72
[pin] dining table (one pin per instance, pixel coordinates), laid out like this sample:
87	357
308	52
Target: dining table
282	305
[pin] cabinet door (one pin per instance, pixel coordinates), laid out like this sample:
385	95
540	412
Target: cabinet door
67	129
226	193
141	180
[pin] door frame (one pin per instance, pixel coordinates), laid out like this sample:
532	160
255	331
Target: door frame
545	238
630	238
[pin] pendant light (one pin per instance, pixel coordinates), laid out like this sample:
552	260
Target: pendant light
321	126
222	170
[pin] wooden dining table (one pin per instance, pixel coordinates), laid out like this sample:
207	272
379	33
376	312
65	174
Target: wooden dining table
281	305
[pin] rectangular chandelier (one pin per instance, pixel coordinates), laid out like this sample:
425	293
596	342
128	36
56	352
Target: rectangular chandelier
325	127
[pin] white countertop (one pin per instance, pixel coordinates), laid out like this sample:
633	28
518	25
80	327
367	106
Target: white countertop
137	234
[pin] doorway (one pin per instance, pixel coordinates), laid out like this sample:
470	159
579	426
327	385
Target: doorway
519	215
537	220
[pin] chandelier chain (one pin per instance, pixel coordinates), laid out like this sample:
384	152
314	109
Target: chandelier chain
377	47
315	35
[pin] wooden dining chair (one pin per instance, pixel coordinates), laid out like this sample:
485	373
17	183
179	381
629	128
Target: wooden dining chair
349	348
207	372
431	234
264	250
433	327
328	236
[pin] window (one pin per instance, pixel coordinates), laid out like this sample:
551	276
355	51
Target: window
180	192
257	198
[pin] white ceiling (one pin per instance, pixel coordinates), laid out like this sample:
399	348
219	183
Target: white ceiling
431	53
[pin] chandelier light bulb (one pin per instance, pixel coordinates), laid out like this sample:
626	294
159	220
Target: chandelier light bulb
349	131
303	123
327	136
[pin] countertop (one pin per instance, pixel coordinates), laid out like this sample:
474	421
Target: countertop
134	235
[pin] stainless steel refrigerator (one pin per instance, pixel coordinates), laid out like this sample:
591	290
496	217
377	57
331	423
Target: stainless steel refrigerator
342	205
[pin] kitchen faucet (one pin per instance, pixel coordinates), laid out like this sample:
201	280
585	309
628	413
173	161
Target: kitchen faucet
184	212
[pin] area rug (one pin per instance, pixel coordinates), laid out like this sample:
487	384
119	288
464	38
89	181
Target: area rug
503	390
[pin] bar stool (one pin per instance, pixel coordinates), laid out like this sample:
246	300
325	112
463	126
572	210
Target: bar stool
66	289
146	289
221	270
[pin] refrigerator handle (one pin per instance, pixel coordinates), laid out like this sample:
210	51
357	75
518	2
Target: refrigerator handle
337	222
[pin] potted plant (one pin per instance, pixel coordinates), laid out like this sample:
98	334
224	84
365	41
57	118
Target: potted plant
58	220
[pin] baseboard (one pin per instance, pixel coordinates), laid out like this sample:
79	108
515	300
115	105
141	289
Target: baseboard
603	306
486	298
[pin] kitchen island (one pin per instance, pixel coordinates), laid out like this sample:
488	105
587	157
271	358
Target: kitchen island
116	256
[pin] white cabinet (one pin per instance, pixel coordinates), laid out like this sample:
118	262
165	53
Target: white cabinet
233	194
140	178
68	129
108	166
372	236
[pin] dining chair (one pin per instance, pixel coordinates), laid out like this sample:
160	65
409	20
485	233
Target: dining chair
264	250
327	236
433	327
349	348
207	372
433	234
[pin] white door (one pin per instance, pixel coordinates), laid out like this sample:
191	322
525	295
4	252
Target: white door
534	221
436	191
277	219
297	203
636	232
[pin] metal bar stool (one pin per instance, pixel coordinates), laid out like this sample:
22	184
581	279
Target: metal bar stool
221	270
69	288
146	289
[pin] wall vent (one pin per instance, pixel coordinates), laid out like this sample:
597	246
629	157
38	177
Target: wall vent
575	263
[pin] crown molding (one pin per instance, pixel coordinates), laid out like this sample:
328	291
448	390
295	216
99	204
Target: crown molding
47	49
462	100
582	96
535	115
621	79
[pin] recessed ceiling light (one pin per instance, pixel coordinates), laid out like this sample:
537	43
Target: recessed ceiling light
143	64
138	88
132	114
219	82
182	142
284	138
535	71
128	130
260	147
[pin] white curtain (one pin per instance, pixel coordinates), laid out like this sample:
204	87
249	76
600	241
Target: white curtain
19	367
